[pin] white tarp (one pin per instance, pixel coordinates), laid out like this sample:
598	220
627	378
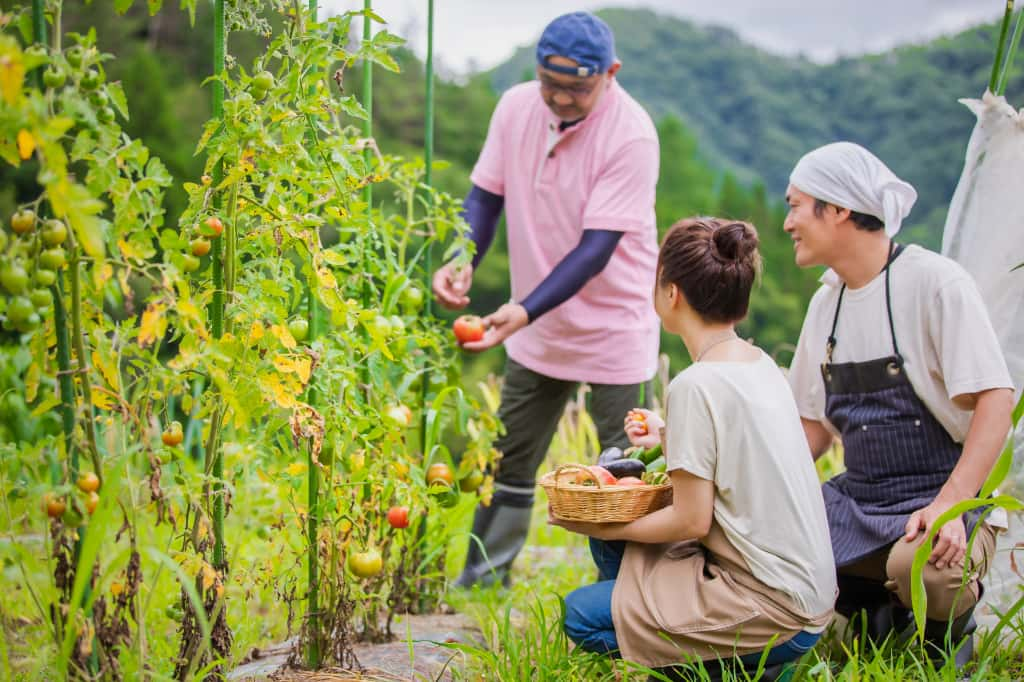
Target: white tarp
985	233
985	226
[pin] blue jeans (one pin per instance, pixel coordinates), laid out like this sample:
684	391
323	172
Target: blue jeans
588	613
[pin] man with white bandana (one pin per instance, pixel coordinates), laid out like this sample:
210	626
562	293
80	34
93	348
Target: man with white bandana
897	358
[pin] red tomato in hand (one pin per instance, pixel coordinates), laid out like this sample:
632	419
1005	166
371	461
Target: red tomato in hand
398	517
468	328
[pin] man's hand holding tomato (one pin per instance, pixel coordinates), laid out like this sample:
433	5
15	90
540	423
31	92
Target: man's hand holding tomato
645	432
499	325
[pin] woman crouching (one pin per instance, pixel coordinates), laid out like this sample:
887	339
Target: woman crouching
741	560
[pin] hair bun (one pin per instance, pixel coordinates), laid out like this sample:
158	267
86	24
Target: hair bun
733	241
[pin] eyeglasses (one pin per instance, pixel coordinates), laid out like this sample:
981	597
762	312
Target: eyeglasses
576	90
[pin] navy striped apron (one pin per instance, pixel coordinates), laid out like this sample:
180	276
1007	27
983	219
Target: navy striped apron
897	455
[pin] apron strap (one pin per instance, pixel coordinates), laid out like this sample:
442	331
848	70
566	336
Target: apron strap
894	251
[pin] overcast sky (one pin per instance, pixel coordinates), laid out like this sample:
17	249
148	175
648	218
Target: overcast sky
482	33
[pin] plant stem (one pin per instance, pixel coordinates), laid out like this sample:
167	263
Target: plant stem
1008	61
82	366
993	80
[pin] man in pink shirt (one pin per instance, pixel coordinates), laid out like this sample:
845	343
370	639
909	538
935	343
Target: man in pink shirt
572	159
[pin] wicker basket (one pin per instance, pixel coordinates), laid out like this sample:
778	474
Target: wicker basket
601	503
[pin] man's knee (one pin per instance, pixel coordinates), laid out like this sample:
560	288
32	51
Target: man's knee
950	591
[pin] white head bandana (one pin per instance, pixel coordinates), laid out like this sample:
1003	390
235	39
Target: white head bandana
849	176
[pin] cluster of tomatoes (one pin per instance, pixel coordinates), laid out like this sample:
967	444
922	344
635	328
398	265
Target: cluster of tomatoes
441	484
31	258
56	506
200	243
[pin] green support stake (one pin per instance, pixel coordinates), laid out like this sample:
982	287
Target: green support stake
313	501
428	179
368	103
60	315
217	305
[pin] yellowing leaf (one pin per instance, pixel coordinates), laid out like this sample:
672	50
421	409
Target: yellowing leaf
129	251
26	144
326	279
106	367
281	392
255	332
153	325
296	468
12	75
302	366
283	335
101	399
209	576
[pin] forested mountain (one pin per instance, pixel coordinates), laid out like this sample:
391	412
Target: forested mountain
756	113
732	120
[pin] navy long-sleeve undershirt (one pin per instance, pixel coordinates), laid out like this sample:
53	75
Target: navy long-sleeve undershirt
482	210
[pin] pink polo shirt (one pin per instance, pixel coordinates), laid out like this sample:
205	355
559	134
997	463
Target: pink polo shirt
599	174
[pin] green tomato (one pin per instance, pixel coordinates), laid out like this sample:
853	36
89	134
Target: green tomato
299	328
91	79
23	221
45	278
381	326
412	298
19	309
52	259
189	263
263	81
37	51
105	115
30	323
41	298
54	232
397	324
74	56
14	278
54	77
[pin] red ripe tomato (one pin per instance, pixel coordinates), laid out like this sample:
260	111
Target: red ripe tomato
600	473
398	517
468	328
214	226
629	480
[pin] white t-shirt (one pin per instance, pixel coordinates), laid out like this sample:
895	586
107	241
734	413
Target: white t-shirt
942	329
735	423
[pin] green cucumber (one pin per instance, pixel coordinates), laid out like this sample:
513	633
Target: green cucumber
656	464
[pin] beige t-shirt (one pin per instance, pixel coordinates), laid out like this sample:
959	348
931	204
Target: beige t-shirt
942	329
735	423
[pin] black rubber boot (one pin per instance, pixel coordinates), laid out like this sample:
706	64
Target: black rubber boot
943	638
501	529
871	608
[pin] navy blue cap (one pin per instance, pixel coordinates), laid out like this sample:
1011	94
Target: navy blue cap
583	38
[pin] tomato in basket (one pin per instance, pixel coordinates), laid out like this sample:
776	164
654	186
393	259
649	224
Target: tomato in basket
596	472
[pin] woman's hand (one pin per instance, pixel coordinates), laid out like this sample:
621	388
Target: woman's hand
600	531
643	427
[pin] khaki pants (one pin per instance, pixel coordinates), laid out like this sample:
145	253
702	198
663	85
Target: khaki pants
950	591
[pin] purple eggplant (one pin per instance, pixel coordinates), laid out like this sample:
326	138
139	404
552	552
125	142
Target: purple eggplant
609	455
621	468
